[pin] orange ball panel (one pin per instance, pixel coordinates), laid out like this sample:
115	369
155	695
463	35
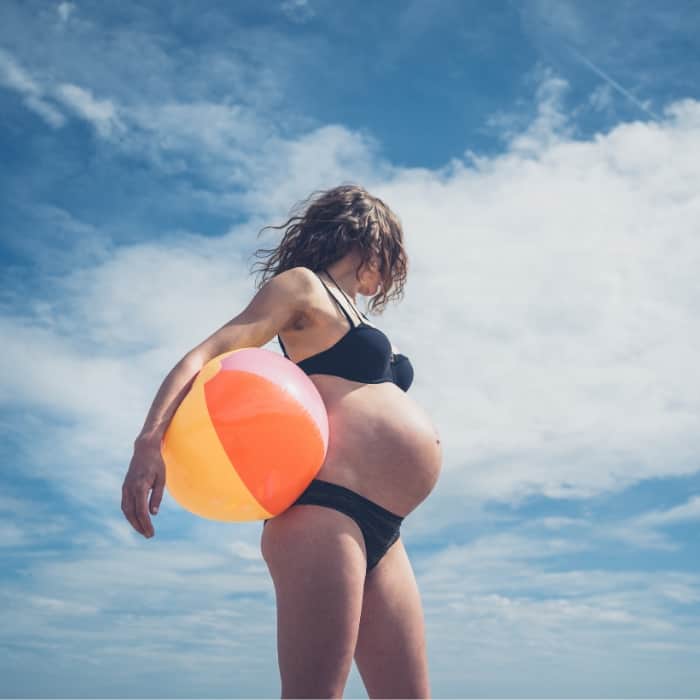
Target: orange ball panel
270	440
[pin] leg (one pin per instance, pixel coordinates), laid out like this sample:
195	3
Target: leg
391	653
316	556
379	526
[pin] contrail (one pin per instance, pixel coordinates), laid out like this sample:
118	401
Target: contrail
617	86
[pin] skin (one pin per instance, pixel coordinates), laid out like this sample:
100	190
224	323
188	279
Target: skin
343	272
147	469
329	611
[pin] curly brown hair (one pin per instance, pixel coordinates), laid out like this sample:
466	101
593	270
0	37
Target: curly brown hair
340	220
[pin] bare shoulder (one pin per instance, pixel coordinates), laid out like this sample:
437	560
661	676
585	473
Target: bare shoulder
297	286
306	287
279	304
305	278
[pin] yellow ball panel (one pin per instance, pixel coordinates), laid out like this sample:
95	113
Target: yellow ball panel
199	474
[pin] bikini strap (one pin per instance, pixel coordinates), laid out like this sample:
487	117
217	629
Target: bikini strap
342	308
344	294
332	296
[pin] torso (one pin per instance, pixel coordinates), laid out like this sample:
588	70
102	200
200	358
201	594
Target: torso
381	443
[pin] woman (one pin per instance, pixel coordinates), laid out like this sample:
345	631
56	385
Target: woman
344	585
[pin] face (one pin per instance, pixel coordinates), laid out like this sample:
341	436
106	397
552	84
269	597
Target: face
371	276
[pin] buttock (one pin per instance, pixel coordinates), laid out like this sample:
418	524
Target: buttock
380	527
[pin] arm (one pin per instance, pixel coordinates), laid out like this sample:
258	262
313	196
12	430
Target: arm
273	308
276	306
169	396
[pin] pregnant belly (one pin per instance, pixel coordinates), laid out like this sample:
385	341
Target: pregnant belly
382	445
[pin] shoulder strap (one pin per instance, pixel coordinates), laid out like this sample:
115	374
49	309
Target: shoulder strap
282	346
345	295
332	296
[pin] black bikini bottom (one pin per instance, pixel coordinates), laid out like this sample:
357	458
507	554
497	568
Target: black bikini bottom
380	527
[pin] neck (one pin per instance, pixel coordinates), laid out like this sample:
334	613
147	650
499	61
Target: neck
346	282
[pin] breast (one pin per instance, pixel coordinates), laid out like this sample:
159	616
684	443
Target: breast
382	443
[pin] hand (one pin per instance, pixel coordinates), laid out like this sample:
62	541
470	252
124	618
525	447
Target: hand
146	471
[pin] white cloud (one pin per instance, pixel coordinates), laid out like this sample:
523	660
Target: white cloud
569	295
506	596
561	15
644	106
482	600
11	535
550	123
14	77
551	315
65	9
298	11
555	291
245	550
102	114
681	592
628	51
107	603
25	521
601	99
687	512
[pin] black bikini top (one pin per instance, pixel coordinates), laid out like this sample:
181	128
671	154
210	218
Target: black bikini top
363	354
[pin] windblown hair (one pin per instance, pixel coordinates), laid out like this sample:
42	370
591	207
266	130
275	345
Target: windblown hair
340	220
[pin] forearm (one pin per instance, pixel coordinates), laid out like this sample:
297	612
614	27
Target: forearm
169	396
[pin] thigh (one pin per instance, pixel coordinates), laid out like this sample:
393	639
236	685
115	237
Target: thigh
317	560
391	653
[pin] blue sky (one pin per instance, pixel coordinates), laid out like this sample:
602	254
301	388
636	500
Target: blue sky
543	158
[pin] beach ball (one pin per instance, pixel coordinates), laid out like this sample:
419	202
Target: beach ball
247	439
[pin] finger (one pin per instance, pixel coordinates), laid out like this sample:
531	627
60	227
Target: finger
142	512
157	494
128	510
